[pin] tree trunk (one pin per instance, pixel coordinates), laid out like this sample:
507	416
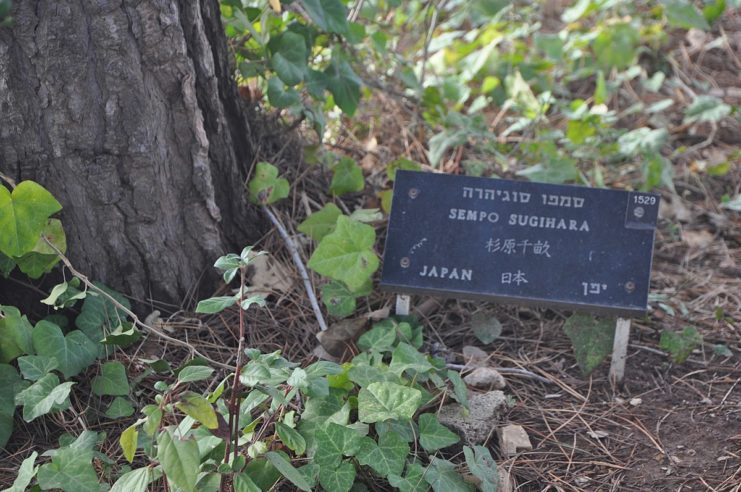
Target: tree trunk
127	112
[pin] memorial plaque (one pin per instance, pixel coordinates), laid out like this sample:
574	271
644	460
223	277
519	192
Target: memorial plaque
520	242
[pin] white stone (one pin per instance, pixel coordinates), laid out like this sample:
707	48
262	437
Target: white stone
485	378
477	424
513	439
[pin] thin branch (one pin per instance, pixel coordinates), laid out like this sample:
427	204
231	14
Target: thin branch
291	245
130	313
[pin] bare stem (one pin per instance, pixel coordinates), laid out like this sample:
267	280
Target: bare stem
233	403
291	245
130	313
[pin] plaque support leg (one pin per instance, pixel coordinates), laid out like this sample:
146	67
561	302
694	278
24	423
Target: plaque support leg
619	350
402	305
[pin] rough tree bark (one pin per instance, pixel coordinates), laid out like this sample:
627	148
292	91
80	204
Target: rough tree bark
126	111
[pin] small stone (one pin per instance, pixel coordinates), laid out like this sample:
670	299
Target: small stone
582	480
485	377
598	434
475	357
634	402
513	439
475	425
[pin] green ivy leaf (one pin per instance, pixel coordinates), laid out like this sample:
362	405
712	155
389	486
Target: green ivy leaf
441	142
347	254
134	481
343	83
65	295
10	380
71	470
385	458
100	316
288	470
266	187
215	304
179	459
460	391
483	467
243	483
713	10
338	299
706	108
321	223
682	13
347	177
42	257
339	479
367	215
363	374
120	407
128	442
34	367
380	338
407	358
262	472
384	400
413	481
190	374
657	170
6	265
486	328
257	300
123	335
558	170
680	345
401	164
722	350
433	435
329	15
333	441
288	57
44	396
112	380
15	334
197	407
642	140
26	472
74	352
616	46
291	438
281	96
406	431
591	338
442	477
23	216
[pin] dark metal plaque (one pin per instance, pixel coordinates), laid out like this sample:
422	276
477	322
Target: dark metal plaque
520	242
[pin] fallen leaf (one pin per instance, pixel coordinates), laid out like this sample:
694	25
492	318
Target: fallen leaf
339	338
268	276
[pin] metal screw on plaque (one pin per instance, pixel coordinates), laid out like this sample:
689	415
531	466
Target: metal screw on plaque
630	287
405	262
413	193
638	212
